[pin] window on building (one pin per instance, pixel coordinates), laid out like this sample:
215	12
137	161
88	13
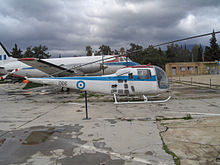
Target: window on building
173	70
196	70
190	68
213	70
183	68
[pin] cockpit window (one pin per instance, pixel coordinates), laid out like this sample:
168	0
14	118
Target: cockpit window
144	74
162	78
121	59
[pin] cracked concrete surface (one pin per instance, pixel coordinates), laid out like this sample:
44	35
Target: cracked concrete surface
122	134
195	141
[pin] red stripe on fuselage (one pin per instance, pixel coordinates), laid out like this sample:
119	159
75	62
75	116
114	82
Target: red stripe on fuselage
115	60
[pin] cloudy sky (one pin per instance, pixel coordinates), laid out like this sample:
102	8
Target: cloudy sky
67	26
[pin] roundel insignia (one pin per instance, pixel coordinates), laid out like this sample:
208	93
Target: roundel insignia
80	84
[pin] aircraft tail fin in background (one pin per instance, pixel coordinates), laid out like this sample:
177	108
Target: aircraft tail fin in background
5	57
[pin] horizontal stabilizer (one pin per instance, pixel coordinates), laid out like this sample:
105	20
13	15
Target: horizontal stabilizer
47	67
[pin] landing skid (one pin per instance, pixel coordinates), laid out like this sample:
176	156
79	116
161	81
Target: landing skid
141	102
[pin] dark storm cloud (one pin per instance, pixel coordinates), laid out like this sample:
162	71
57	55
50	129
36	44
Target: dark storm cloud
67	26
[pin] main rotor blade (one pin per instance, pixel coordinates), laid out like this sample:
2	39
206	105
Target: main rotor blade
197	36
166	43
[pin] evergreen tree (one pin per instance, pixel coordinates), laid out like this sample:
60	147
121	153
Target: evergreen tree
195	53
104	50
170	53
155	56
37	52
88	50
115	52
40	52
150	55
212	52
134	48
135	53
200	54
175	53
28	52
16	53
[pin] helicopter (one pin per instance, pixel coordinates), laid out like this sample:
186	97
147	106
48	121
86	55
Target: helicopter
133	80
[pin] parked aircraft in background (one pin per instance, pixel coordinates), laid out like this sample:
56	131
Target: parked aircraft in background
4	57
70	66
79	66
11	66
140	79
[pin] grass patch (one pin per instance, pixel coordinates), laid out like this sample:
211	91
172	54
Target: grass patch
165	118
67	101
166	149
187	117
82	95
32	85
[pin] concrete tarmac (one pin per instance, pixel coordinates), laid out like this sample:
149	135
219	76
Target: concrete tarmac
44	126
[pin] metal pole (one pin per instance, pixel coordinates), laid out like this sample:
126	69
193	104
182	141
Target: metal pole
210	83
86	105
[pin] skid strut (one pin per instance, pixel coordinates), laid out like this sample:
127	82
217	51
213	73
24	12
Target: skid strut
141	102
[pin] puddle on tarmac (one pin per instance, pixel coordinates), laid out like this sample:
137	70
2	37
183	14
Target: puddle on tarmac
37	137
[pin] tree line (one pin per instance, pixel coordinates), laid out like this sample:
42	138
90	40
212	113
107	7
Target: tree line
36	52
155	56
173	53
